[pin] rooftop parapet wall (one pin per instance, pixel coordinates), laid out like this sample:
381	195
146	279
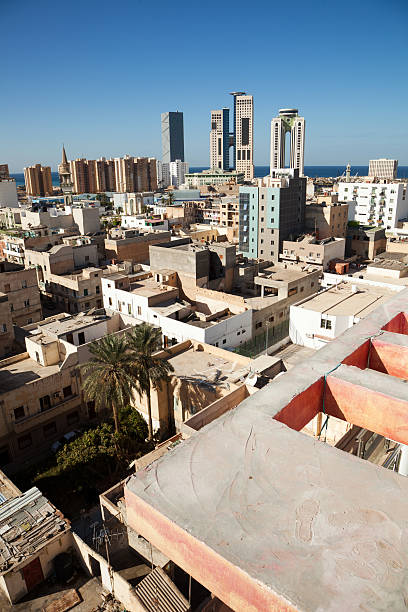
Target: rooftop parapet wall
285	521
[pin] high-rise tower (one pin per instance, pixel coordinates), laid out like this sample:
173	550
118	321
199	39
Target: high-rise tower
243	139
288	121
172	129
219	139
65	179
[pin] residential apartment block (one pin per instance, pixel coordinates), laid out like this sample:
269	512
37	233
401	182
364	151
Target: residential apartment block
383	168
270	215
307	249
381	204
41	391
132	244
327	217
135	174
38	180
22	291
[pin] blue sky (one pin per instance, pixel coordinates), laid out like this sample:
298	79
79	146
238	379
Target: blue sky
97	75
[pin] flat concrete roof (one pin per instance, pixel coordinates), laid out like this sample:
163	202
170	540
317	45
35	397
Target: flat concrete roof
70	324
207	366
20	373
276	515
341	300
289	274
149	288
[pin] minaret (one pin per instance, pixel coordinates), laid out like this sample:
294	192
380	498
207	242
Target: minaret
348	173
65	179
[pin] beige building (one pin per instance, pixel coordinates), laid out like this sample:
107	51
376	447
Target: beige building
38	180
229	217
12	247
23	294
311	251
83	174
132	245
203	375
40	390
6	326
327	217
71	255
133	174
215	176
75	292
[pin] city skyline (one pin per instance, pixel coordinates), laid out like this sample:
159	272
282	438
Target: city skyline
328	74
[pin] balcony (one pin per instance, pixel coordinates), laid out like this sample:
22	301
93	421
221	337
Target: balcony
32	420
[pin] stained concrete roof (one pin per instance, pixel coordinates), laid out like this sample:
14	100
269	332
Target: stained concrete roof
319	529
14	375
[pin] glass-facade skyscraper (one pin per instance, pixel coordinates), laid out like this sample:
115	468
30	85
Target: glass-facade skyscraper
172	129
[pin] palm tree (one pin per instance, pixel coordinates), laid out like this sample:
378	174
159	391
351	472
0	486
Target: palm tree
108	375
149	370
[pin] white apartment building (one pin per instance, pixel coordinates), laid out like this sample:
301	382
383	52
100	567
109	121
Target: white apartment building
381	204
323	317
383	168
244	135
158	304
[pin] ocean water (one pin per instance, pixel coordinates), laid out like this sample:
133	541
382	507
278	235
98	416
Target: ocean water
312	171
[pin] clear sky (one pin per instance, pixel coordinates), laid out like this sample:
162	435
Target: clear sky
96	75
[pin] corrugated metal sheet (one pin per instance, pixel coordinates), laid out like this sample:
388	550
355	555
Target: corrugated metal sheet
159	594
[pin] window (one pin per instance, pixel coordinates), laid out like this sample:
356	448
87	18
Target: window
19	413
258	325
87	304
50	429
129	309
110	301
224	341
85	292
67	391
325	324
24	284
81	338
312	284
24	441
271	319
6	287
72	417
4	327
11	307
139	310
45	403
98	289
86	257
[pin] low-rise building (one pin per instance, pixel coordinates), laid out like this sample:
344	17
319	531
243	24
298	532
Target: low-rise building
75	292
21	287
41	395
229	216
365	241
213	176
132	244
308	249
10	218
319	319
327	217
74	253
144	223
33	534
6	326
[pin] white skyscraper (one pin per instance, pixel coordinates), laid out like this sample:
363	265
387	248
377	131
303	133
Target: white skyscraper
288	121
174	173
244	134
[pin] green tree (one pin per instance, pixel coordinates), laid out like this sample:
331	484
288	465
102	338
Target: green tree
148	369
108	375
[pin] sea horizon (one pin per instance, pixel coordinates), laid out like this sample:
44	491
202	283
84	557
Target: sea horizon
260	171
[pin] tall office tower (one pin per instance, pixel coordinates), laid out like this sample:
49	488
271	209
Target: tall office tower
38	180
219	139
4	171
270	215
172	136
288	121
383	168
65	179
243	135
